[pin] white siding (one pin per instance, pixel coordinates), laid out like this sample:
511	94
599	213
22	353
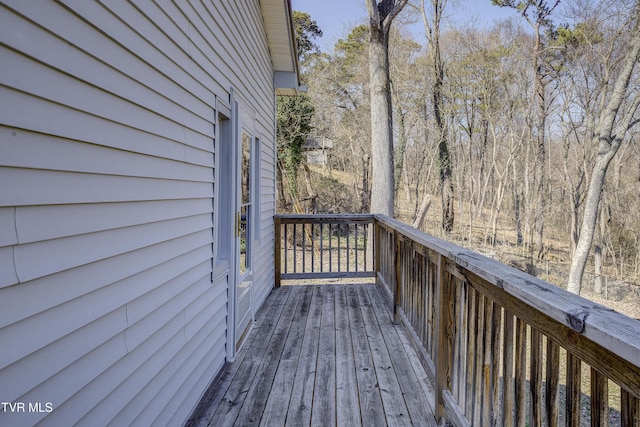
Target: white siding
107	163
264	257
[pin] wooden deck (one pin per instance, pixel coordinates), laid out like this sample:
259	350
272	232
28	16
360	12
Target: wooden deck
322	355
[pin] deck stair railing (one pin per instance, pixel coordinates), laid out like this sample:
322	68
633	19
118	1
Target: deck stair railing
502	347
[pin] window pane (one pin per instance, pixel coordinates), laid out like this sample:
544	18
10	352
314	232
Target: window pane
246	168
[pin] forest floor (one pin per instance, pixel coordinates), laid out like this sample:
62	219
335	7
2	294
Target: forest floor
620	293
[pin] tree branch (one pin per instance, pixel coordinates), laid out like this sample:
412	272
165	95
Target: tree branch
374	13
622	84
398	5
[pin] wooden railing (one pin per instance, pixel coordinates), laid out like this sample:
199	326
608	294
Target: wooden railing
502	347
320	247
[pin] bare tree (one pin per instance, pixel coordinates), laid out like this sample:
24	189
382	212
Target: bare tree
381	15
615	120
341	92
432	21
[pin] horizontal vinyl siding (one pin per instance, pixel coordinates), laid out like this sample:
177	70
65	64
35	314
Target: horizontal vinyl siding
264	265
93	218
62	254
8	233
147	403
38	187
107	122
252	72
126	48
58	154
153	263
35	78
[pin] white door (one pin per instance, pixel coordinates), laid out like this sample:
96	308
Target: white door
244	236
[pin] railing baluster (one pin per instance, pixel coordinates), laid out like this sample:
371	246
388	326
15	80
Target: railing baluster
479	354
520	374
295	249
330	248
398	280
496	330
574	381
321	247
286	249
356	247
599	400
552	385
339	246
304	247
366	229
413	293
348	238
462	354
313	249
377	240
536	378
427	298
508	415
418	301
486	363
277	251
630	410
471	347
445	327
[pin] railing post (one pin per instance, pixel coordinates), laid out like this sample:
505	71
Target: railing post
277	249
377	247
397	288
444	325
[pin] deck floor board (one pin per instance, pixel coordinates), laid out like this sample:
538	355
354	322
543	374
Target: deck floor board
322	355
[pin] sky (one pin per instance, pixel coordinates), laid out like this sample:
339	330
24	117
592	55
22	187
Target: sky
335	16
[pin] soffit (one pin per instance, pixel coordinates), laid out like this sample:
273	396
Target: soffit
278	22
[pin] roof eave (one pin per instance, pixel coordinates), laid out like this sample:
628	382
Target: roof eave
281	38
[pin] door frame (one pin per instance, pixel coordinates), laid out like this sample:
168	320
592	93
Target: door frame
242	120
244	215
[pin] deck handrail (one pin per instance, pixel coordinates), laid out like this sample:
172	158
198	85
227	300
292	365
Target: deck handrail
492	336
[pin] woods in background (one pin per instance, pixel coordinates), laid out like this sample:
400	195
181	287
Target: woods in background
537	114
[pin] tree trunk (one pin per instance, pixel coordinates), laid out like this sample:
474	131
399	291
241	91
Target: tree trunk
446	180
422	213
579	261
446	185
405	184
598	283
312	196
282	199
517	215
365	193
399	152
381	15
609	134
574	223
381	125
540	139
